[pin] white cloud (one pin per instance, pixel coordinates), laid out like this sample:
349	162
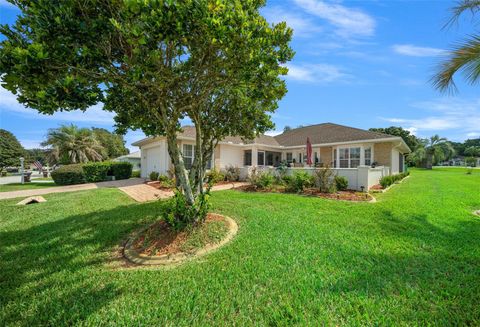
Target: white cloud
316	73
444	114
95	114
349	22
473	134
274	133
301	25
416	51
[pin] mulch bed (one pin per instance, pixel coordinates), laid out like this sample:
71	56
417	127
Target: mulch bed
376	187
348	195
160	238
159	186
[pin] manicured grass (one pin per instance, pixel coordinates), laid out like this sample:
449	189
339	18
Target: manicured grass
27	186
412	258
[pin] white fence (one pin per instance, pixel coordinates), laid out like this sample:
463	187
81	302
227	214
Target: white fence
357	177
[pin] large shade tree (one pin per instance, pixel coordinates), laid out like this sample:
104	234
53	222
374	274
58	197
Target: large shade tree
10	150
71	144
113	144
154	63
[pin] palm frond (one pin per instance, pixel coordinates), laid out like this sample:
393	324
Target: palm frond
466	58
462	6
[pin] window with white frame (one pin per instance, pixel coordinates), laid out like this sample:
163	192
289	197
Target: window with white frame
189	155
368	156
349	157
354	157
335	158
299	157
344	157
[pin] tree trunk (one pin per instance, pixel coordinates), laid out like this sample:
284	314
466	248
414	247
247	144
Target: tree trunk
429	161
181	173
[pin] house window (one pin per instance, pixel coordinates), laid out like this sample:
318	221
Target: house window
354	157
188	152
300	157
247	159
349	157
344	158
261	158
335	158
368	156
316	160
289	157
189	155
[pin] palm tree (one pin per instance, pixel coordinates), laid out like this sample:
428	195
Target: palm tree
465	57
433	149
70	144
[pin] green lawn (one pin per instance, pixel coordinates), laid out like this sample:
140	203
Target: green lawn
27	186
412	258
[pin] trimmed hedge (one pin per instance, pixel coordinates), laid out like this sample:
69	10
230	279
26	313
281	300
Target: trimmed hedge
386	181
96	171
121	169
69	175
136	173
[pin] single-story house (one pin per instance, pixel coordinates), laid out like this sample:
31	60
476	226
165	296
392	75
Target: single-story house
361	156
134	158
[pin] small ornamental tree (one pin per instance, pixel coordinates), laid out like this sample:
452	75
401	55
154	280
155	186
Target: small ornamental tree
153	63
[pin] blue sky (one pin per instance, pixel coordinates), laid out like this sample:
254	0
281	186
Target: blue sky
358	63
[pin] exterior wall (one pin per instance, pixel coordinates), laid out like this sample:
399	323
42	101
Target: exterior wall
230	155
383	154
395	167
326	155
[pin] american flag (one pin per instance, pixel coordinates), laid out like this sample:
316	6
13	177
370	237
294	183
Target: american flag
38	165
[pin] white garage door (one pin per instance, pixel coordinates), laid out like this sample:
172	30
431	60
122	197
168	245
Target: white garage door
153	160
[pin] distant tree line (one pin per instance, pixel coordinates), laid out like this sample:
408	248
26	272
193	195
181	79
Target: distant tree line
430	151
63	145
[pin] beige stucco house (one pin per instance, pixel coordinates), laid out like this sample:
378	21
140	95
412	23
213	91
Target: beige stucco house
361	156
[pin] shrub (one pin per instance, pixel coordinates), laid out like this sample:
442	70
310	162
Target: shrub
96	171
324	180
166	181
232	174
179	214
214	176
136	173
265	180
300	180
341	182
121	169
68	175
153	176
386	181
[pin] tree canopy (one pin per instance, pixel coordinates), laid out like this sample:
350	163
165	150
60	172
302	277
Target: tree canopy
71	144
10	150
113	144
153	63
411	140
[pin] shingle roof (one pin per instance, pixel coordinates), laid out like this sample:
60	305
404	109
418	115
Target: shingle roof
318	134
189	131
326	133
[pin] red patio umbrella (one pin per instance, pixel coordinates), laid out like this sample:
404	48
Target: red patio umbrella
309	152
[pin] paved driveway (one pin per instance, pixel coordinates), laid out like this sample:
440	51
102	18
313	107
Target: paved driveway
72	188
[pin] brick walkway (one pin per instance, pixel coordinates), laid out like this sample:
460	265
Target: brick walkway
144	192
133	187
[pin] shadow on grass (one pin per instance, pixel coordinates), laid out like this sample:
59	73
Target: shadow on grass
49	267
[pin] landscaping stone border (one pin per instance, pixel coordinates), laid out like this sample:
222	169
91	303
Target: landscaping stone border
170	259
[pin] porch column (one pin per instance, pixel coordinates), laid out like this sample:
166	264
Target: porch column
254	156
338	157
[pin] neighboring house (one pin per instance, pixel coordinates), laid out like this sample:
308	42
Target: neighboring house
134	158
346	149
